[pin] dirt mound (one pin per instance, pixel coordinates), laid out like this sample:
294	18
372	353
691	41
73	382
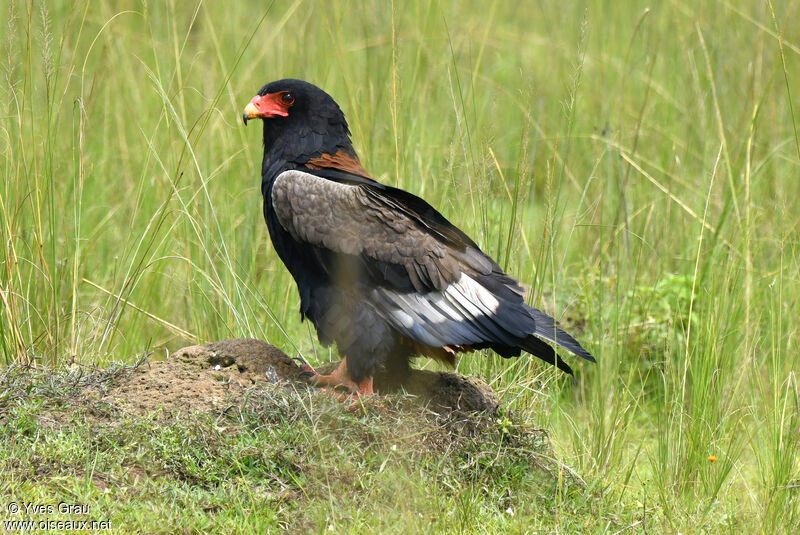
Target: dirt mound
210	377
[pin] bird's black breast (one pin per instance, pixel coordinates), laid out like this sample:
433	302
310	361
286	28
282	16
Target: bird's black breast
301	260
331	285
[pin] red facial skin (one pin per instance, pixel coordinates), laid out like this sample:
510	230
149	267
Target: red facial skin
268	106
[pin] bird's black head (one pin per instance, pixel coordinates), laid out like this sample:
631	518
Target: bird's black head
301	121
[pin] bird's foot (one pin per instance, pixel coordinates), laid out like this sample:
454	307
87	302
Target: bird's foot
360	394
338	378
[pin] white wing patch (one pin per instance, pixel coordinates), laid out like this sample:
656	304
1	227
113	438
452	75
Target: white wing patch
472	294
461	314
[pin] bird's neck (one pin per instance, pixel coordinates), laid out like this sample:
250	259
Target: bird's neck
287	148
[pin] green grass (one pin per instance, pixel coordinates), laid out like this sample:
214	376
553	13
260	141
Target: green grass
280	460
635	163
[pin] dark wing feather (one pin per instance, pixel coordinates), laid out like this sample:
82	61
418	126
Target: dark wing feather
408	204
358	220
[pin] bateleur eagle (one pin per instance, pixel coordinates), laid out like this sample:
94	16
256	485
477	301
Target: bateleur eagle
380	272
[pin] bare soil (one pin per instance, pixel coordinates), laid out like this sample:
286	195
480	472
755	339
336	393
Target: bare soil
210	377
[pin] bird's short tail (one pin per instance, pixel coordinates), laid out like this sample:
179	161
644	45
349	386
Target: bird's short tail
547	329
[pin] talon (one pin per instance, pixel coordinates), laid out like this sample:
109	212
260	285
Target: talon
301	361
307	374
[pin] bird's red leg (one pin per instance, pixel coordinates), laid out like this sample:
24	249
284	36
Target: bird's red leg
340	377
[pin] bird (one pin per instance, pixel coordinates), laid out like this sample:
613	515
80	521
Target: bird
380	272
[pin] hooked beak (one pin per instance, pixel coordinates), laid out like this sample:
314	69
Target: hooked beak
264	107
250	112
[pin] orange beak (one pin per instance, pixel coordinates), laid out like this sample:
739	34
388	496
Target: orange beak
264	107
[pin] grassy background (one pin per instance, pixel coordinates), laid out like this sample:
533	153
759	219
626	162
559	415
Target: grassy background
636	164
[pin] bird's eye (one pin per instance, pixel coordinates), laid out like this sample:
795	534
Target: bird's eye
287	98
